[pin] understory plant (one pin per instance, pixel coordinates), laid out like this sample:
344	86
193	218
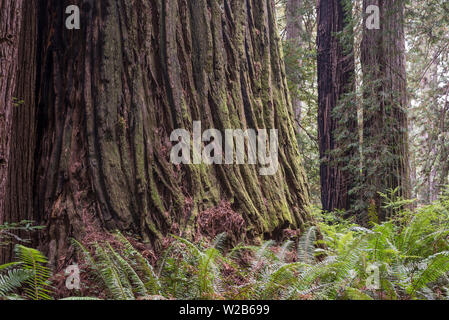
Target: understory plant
27	278
406	257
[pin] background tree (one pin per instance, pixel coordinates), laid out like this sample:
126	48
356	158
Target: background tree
109	95
294	33
337	113
300	61
385	124
427	32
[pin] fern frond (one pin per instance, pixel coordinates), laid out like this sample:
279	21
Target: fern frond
284	249
13	280
438	265
137	284
112	277
306	245
36	263
152	283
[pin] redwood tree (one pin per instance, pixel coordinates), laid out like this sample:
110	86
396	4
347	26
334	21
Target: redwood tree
385	124
10	15
337	115
17	112
294	27
106	98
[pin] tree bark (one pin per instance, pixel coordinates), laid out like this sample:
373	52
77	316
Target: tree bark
293	34
11	17
337	115
444	152
109	95
385	130
17	113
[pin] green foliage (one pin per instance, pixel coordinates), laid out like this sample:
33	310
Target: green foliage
301	71
125	274
30	274
36	264
12	280
79	299
335	259
197	274
8	231
410	250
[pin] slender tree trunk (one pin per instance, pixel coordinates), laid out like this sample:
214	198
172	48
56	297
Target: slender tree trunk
385	128
337	115
442	112
110	94
293	34
444	153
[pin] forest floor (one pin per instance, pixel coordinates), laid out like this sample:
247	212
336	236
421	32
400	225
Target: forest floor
406	257
403	258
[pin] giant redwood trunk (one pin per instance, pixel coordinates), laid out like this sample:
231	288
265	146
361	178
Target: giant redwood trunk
108	96
385	127
337	114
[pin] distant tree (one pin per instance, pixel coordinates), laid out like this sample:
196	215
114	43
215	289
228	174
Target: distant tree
337	114
301	70
294	29
427	79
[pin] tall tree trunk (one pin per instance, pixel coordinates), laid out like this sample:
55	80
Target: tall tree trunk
444	153
293	34
110	94
442	112
337	115
10	17
385	130
17	112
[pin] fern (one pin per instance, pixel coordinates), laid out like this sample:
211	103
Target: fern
131	276
114	278
438	265
126	273
13	280
151	280
208	275
35	263
306	245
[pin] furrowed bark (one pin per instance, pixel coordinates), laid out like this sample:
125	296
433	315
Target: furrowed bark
385	129
11	17
336	114
17	111
293	34
110	94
